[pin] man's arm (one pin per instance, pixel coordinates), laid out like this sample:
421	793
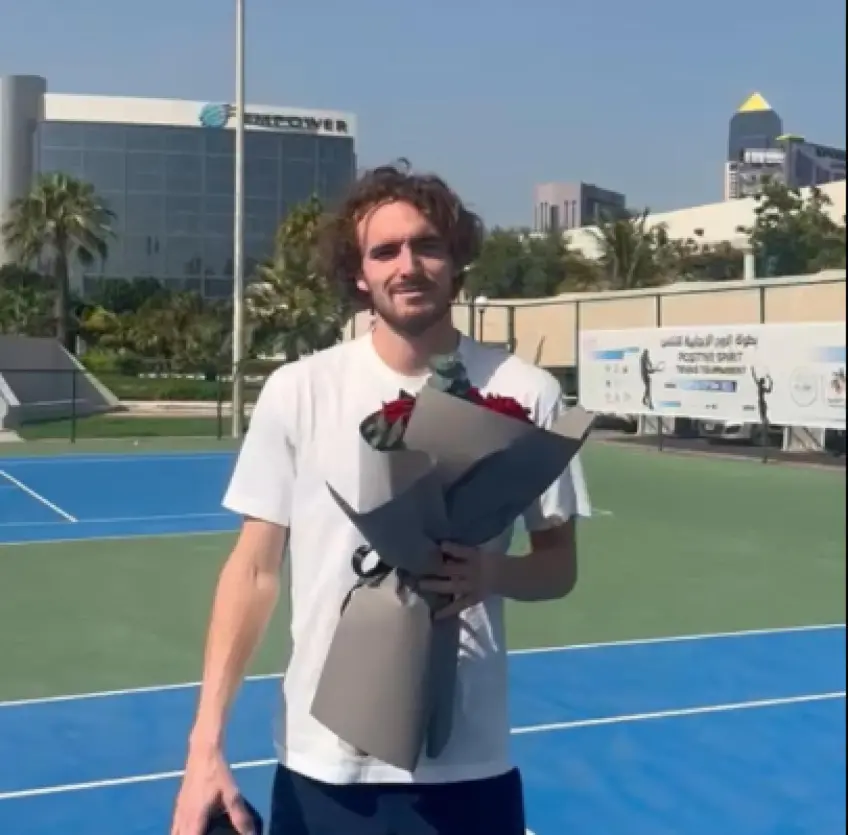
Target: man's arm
245	598
260	491
548	572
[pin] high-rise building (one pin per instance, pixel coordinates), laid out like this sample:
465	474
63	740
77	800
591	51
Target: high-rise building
564	206
166	168
759	150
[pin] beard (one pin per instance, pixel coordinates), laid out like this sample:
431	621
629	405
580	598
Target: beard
412	319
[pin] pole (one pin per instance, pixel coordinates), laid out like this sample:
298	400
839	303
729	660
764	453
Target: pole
238	231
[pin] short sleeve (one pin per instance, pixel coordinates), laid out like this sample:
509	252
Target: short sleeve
262	483
568	496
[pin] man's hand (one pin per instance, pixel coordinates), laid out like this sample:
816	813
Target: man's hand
208	785
469	575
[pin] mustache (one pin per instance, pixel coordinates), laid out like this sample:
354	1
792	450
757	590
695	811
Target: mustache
413	283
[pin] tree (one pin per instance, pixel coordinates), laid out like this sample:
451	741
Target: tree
696	261
795	236
61	221
632	253
25	302
292	309
514	264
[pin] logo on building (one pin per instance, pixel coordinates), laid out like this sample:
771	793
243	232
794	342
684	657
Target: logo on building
219	115
215	115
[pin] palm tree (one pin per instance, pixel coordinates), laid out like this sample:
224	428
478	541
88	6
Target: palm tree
633	254
292	308
60	221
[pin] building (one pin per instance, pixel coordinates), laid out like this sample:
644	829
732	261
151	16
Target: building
759	149
564	206
712	223
166	168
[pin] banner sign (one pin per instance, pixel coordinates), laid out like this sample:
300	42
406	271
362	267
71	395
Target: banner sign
791	375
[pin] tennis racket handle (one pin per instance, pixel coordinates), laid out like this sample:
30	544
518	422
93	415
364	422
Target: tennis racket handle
220	823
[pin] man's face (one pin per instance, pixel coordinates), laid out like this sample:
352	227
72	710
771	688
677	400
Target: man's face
406	268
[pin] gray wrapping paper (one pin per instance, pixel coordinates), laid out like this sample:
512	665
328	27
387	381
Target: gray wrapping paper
388	683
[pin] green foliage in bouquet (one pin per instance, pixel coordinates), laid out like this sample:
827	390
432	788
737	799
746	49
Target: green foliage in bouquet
384	429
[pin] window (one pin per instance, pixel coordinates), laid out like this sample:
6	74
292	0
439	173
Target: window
67	162
183	140
220	175
61	135
183	173
219	141
183	256
261	219
105	137
261	145
105	170
218	256
142	256
297	181
261	178
145	138
145	171
183	215
298	146
145	214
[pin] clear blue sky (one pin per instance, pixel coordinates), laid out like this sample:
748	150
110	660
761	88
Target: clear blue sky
496	96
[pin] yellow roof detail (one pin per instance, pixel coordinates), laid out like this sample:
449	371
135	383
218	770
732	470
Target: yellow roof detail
755	103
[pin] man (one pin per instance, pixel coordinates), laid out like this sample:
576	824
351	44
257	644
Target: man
400	244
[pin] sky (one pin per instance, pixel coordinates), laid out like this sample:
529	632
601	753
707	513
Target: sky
495	97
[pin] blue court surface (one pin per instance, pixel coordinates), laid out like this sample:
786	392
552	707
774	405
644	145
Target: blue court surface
726	734
739	735
95	496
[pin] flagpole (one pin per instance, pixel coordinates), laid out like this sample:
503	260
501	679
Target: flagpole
238	231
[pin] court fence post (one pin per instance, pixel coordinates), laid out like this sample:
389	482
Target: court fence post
73	405
219	405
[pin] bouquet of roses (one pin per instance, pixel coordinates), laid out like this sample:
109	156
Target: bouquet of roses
454	465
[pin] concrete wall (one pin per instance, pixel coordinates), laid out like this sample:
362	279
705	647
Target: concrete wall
546	330
40	380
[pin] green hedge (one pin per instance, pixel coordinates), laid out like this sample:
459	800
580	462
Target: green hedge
134	378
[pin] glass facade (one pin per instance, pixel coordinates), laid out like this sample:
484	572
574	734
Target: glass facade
171	189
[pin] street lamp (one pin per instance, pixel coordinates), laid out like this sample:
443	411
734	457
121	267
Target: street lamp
238	231
480	303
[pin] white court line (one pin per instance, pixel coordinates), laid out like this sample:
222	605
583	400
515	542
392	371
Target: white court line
123	519
703	710
631	642
114	538
117	458
37	496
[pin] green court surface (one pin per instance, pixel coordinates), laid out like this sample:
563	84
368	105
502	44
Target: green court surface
680	545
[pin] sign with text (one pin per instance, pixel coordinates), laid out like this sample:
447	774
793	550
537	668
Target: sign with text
791	375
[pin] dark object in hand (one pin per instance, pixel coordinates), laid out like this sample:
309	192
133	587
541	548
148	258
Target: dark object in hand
220	823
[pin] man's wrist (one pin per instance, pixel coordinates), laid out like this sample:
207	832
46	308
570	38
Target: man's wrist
206	736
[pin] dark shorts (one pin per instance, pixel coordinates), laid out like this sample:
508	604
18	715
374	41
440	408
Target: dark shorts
302	806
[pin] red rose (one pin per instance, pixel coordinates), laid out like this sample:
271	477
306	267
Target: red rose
507	406
474	396
399	409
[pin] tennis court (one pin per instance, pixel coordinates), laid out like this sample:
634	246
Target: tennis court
694	683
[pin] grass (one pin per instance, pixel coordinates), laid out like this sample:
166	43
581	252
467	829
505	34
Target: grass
126	426
692	545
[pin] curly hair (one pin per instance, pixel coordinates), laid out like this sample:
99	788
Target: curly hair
338	247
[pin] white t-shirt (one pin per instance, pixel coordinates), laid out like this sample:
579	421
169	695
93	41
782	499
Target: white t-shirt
303	433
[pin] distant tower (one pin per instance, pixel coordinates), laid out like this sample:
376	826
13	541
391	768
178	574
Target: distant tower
754	131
